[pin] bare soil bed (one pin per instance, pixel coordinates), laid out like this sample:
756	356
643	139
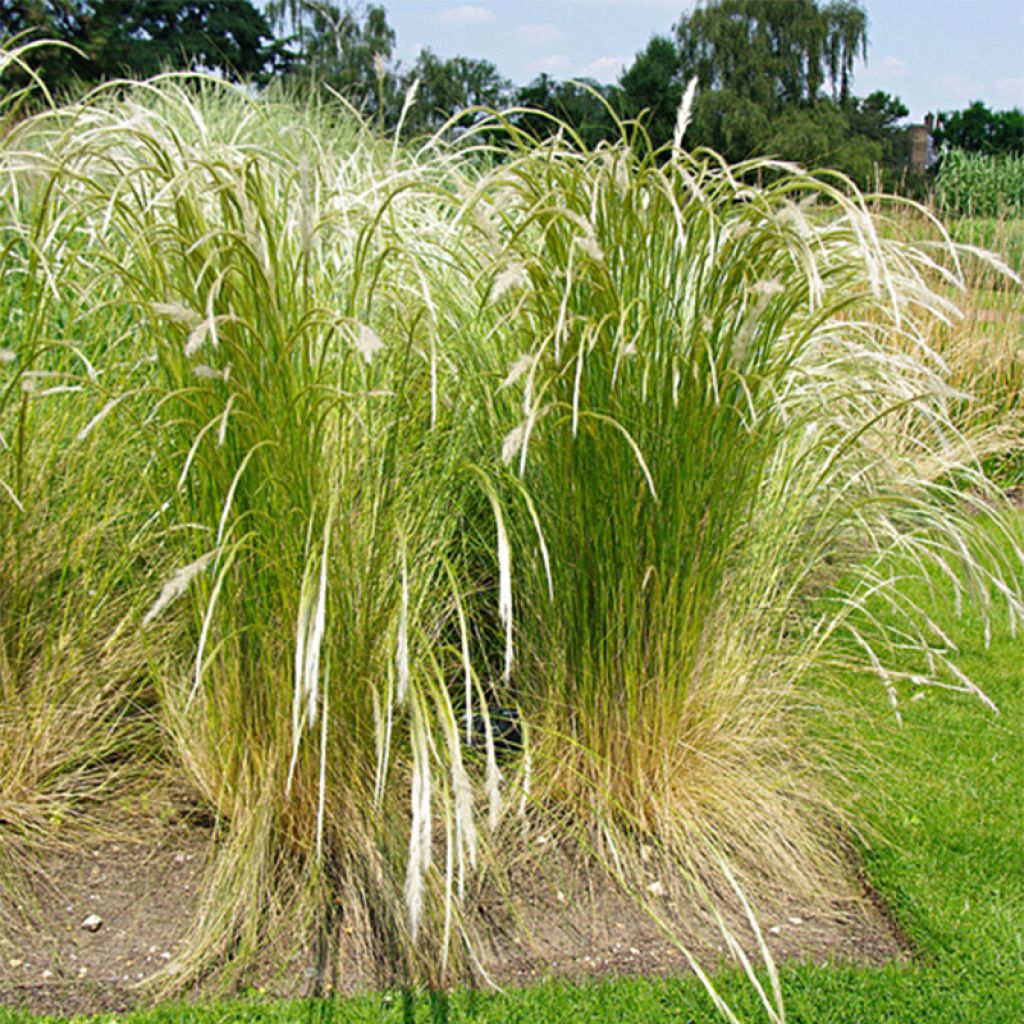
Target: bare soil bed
145	892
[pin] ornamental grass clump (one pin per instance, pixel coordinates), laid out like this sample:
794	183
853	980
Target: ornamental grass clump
717	398
71	672
303	463
408	446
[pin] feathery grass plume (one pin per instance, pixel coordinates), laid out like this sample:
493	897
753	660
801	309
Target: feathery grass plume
176	586
72	673
420	837
340	400
368	343
697	416
511	277
777	429
684	114
402	641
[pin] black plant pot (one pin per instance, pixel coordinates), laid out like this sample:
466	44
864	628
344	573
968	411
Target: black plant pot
505	727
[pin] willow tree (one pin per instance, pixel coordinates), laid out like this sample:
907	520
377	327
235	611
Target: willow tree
348	47
773	54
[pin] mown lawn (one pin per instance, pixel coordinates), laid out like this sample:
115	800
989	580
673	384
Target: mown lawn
952	873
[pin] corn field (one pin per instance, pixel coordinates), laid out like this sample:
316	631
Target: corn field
980	185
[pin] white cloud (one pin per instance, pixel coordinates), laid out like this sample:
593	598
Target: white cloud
539	35
467	14
885	68
554	63
960	83
894	66
1012	88
605	69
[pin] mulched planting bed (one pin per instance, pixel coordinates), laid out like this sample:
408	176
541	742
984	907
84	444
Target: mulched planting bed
110	916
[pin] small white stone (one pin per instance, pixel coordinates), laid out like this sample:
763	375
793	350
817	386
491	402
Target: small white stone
656	889
796	920
93	923
775	930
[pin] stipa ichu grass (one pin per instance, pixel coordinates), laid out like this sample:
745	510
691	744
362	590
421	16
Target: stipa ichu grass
710	409
282	454
73	722
587	435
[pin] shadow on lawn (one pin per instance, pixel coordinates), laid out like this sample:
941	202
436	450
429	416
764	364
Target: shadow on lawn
412	1005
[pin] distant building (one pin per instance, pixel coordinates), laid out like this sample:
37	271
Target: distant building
922	145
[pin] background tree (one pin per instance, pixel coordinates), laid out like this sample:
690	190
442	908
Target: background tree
763	69
53	19
583	105
138	38
45	19
448	87
143	37
654	82
859	137
820	137
347	48
775	77
776	80
773	53
976	129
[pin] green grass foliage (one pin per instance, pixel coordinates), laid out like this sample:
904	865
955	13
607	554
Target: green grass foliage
949	810
314	448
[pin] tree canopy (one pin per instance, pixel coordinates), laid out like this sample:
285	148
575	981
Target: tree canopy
976	129
774	54
139	38
654	83
347	48
447	87
583	105
775	78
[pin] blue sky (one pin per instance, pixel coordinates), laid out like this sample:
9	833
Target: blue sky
933	54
